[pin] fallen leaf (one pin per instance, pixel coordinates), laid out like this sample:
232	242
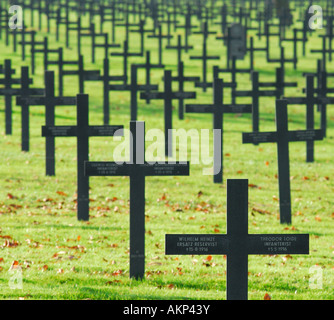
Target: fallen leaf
15	265
267	297
117	272
61	193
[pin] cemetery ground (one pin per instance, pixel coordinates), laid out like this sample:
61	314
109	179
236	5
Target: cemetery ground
59	257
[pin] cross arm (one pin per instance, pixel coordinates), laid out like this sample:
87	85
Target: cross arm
238	108
65	101
59	131
296	100
192	244
184	95
199	108
259	137
105	131
33	101
306	135
166	169
152	95
278	244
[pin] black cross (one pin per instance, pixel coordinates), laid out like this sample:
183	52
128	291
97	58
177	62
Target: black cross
255	93
181	79
106	78
160	37
205	57
105	46
282	137
295	40
324	51
237	244
24	91
50	101
125	54
8	92
310	101
133	88
188	26
137	169
179	47
280	84
233	70
83	75
141	30
218	108
168	96
82	131
282	60
147	66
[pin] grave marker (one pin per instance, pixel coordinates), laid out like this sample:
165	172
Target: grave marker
237	244
218	108
49	101
168	96
82	131
25	91
282	137
137	169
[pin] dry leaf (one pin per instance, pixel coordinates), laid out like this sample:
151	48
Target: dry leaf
267	297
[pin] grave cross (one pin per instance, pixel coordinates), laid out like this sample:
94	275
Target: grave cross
24	91
82	131
49	101
7	92
237	244
168	96
188	26
83	75
133	88
181	79
255	93
105	46
106	78
205	57
218	108
310	101
324	51
160	37
125	54
179	47
282	137
147	66
141	30
137	169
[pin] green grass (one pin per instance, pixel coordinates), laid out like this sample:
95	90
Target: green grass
62	258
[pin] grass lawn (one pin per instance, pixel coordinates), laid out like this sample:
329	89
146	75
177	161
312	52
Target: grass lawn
62	258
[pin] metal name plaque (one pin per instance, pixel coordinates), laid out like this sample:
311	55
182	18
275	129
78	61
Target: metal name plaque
278	244
59	131
254	137
195	244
